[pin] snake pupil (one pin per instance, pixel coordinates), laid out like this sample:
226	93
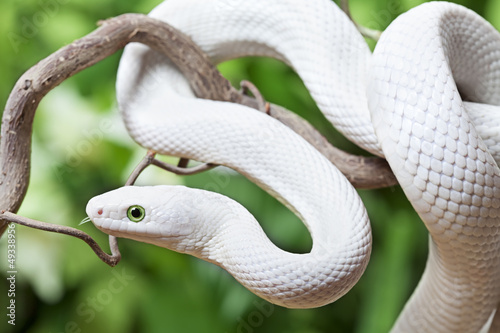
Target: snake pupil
136	213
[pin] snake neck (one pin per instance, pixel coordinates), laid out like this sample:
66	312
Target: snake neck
227	235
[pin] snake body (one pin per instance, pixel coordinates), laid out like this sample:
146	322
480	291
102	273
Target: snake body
439	159
403	102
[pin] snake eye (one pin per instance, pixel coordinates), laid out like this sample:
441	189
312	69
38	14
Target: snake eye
136	213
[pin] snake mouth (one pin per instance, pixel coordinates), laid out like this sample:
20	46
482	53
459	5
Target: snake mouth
125	229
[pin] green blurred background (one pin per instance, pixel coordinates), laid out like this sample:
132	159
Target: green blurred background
81	149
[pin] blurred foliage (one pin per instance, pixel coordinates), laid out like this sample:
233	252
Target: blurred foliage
81	149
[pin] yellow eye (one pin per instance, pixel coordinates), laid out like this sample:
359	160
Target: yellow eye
136	213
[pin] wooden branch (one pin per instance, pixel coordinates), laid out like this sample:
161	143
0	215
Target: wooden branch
111	260
114	34
181	169
362	172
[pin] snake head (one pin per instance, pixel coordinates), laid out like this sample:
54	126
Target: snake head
159	215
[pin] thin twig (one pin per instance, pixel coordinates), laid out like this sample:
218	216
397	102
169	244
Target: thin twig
247	86
183	171
115	251
183	162
111	260
143	164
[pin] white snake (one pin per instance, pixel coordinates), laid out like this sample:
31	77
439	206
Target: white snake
420	124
